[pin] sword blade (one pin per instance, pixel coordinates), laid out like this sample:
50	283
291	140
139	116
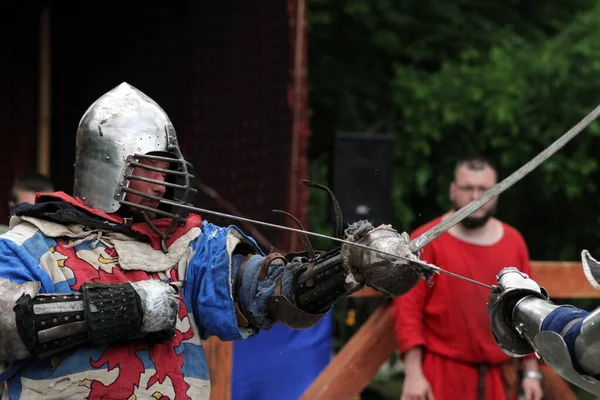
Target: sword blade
437	230
287	228
270	225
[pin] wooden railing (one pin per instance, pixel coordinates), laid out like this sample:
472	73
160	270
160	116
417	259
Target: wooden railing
354	367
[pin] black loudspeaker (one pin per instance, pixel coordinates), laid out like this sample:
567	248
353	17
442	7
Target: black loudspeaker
362	176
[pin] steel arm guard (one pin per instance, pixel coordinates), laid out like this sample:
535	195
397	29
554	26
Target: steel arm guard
12	347
564	337
52	323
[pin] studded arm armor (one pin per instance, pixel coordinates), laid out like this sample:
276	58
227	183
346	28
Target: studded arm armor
43	325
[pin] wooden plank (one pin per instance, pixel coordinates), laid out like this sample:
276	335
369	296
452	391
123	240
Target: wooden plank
353	368
563	280
219	359
560	279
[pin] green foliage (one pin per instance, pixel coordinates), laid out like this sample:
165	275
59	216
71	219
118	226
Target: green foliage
450	79
454	78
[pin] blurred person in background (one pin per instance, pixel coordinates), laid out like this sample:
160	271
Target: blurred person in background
443	330
24	190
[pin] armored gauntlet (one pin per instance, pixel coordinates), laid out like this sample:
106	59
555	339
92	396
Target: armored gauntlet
102	313
297	290
389	275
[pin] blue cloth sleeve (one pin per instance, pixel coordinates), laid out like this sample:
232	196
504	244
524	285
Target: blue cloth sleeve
209	282
20	263
556	322
254	292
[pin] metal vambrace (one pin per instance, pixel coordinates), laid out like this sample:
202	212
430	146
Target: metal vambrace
509	336
524	320
317	286
566	338
49	324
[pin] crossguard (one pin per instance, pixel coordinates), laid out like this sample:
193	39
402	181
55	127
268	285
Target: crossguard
389	275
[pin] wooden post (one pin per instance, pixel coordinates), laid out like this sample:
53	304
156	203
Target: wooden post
297	197
219	357
44	93
355	365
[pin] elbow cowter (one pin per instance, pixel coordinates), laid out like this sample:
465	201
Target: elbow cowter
12	347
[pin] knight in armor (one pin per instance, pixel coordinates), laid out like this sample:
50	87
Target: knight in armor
107	294
524	320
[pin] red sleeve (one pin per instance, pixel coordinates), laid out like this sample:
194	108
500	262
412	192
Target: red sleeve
409	310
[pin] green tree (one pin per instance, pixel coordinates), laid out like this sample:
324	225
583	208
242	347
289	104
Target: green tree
456	78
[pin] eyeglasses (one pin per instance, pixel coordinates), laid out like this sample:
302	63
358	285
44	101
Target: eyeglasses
472	189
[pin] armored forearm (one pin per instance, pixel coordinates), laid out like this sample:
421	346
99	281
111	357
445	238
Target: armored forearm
46	324
296	293
297	290
566	338
11	346
321	284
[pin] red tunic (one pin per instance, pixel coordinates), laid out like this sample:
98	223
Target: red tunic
450	320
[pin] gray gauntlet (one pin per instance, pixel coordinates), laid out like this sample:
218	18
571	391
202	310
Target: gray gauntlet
515	288
101	314
316	285
389	275
299	289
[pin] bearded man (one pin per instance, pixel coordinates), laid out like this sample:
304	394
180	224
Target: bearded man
443	330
